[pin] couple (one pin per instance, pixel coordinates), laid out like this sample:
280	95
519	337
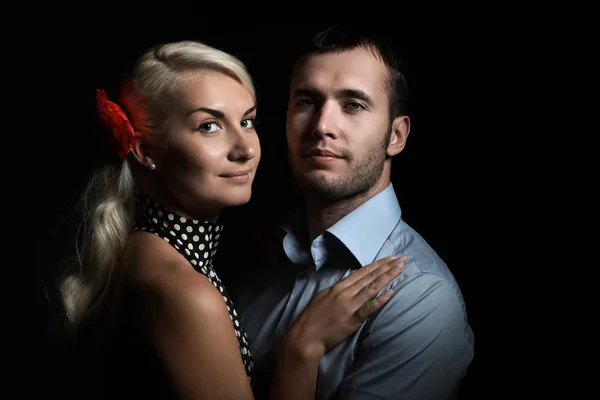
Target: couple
359	308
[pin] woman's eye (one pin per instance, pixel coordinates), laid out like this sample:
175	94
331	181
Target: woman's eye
248	123
209	127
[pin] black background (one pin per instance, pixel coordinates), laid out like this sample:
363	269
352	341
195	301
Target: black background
455	179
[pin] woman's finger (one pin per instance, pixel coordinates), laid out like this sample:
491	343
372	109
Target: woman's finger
366	270
372	306
368	287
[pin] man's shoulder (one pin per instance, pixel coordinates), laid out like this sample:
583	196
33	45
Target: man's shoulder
425	285
426	274
408	242
424	302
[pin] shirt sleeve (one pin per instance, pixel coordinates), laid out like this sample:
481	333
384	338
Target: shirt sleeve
417	347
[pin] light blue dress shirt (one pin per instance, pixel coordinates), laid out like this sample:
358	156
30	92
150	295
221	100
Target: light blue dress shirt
418	346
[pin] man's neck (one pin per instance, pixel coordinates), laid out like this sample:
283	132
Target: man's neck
322	214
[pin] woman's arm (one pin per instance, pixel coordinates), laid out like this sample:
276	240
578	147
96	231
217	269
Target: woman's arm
297	367
191	329
330	317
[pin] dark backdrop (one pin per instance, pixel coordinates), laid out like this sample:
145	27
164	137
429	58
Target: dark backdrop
450	179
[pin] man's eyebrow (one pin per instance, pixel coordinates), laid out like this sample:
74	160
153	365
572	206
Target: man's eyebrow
344	93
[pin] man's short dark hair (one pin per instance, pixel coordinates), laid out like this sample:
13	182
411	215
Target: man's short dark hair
340	38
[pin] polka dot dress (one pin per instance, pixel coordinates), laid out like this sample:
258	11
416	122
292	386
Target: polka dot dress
197	241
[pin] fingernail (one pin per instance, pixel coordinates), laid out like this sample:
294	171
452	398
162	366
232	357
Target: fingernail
388	293
401	264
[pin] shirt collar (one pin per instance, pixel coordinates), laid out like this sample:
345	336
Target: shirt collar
362	232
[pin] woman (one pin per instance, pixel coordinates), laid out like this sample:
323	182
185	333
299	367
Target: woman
144	293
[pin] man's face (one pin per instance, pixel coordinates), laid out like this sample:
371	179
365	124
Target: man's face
338	123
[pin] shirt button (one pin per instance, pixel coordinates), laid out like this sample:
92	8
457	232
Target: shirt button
310	274
282	332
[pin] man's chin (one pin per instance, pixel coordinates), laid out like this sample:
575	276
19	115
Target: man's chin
314	178
319	184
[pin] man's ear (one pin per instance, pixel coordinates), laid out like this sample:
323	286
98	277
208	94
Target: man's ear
400	131
143	151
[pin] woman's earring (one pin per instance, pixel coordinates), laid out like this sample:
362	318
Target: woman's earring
152	166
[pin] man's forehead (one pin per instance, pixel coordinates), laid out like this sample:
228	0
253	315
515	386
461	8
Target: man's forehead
357	68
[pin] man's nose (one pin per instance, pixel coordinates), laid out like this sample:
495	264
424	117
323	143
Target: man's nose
326	121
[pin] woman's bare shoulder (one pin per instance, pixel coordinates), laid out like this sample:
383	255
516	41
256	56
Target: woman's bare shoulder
156	270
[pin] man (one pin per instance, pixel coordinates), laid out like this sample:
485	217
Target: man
346	119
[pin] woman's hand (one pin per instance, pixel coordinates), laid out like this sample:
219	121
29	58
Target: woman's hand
336	312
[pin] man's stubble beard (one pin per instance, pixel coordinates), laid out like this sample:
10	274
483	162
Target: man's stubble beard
361	176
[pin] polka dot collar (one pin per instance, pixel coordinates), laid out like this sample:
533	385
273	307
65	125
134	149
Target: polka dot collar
196	240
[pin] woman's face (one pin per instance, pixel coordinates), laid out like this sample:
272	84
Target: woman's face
211	151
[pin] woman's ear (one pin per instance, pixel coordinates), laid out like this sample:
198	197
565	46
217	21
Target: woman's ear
143	151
